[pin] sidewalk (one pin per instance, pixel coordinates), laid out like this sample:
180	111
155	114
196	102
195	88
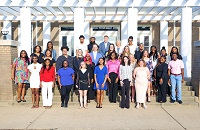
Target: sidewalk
109	117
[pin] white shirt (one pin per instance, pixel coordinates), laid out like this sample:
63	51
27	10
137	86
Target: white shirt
95	55
105	43
83	47
35	69
132	48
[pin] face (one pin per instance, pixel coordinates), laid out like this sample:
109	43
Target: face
105	39
101	61
83	65
65	64
48	53
87	57
35	59
125	60
95	48
141	63
174	56
50	45
64	51
153	49
80	53
131	57
113	56
162	60
130	41
141	46
47	62
23	54
37	49
81	40
111	47
118	43
92	40
126	49
163	52
145	54
174	50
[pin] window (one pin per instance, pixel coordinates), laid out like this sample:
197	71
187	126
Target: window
64	41
67	28
105	29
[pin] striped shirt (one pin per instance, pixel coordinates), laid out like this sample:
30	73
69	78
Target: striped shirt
125	72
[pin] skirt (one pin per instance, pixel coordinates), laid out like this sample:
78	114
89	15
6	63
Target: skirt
83	85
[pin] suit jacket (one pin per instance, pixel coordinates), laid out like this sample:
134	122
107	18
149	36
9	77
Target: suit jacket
95	61
138	55
102	48
161	71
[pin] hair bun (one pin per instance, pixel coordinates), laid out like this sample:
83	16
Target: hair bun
163	47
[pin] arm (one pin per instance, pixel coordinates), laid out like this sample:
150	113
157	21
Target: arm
73	77
134	73
164	71
148	74
13	72
77	78
59	82
53	76
88	79
182	73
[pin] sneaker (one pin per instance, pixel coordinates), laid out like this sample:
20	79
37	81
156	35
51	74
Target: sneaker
144	106
62	104
180	102
66	105
137	107
172	101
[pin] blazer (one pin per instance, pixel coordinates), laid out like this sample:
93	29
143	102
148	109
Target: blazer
102	48
97	57
161	71
138	55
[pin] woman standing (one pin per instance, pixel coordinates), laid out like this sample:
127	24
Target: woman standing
47	79
149	65
100	78
162	79
141	75
48	56
125	81
66	81
34	79
37	51
77	60
110	50
20	74
83	83
133	62
53	51
175	50
90	66
154	56
126	52
113	70
164	53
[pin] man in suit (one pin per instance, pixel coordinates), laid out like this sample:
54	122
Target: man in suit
95	54
104	46
139	53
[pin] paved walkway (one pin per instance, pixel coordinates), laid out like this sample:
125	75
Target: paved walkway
109	117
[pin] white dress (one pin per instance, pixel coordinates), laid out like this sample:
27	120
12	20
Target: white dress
35	75
141	84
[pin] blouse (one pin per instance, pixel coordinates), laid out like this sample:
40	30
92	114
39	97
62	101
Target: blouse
126	72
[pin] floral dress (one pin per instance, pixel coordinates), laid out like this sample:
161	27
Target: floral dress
149	65
21	71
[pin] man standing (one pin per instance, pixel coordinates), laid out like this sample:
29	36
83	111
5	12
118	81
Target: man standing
176	73
90	45
82	45
139	53
131	45
103	47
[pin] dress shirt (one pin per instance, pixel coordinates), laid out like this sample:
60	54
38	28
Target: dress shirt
176	66
113	66
95	55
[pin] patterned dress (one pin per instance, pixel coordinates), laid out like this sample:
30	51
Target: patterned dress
21	71
149	65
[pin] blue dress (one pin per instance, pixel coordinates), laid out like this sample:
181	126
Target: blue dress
100	76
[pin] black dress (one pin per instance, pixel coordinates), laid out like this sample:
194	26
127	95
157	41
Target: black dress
40	57
83	80
91	92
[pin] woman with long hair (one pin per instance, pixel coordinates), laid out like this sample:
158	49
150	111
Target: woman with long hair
78	59
113	71
34	79
149	65
126	80
100	78
90	66
175	50
47	79
48	55
126	52
83	83
53	51
111	49
141	75
37	50
20	74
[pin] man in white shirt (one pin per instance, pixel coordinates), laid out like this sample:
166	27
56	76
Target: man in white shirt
82	45
131	45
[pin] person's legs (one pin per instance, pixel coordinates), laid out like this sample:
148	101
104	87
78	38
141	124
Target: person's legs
85	98
111	88
81	98
68	89
23	92
98	97
50	94
173	87
123	95
33	96
102	96
127	86
163	91
149	91
44	94
19	90
36	97
63	95
159	90
115	87
179	87
133	93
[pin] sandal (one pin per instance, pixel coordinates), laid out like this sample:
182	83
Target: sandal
80	107
33	106
148	99
19	101
24	100
37	106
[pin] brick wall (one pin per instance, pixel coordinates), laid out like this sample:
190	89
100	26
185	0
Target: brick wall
7	87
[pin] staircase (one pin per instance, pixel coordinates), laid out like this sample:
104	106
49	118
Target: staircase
188	98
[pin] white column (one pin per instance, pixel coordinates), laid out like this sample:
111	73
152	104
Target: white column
87	32
7	25
46	34
164	35
78	25
124	34
19	39
25	24
133	23
186	39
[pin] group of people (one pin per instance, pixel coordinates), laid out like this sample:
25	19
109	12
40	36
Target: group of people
109	67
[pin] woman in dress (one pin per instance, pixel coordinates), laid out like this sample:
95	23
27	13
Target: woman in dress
126	78
100	78
66	81
77	60
90	66
162	79
133	62
110	50
83	83
141	75
34	79
48	56
37	50
113	71
20	74
47	79
53	51
149	65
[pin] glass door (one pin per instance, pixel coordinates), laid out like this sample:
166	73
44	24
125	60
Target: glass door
146	39
66	39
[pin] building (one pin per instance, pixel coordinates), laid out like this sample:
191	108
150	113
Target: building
152	22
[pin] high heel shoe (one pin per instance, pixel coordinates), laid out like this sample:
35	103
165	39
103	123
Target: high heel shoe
144	106
148	99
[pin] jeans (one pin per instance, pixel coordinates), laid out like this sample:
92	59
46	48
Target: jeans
65	91
176	82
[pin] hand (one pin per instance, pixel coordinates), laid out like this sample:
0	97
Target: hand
116	81
182	80
121	83
103	84
109	80
169	82
76	86
40	85
60	86
88	86
13	77
92	80
97	85
52	85
131	83
161	81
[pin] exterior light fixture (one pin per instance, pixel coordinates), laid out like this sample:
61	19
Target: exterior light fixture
4	33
